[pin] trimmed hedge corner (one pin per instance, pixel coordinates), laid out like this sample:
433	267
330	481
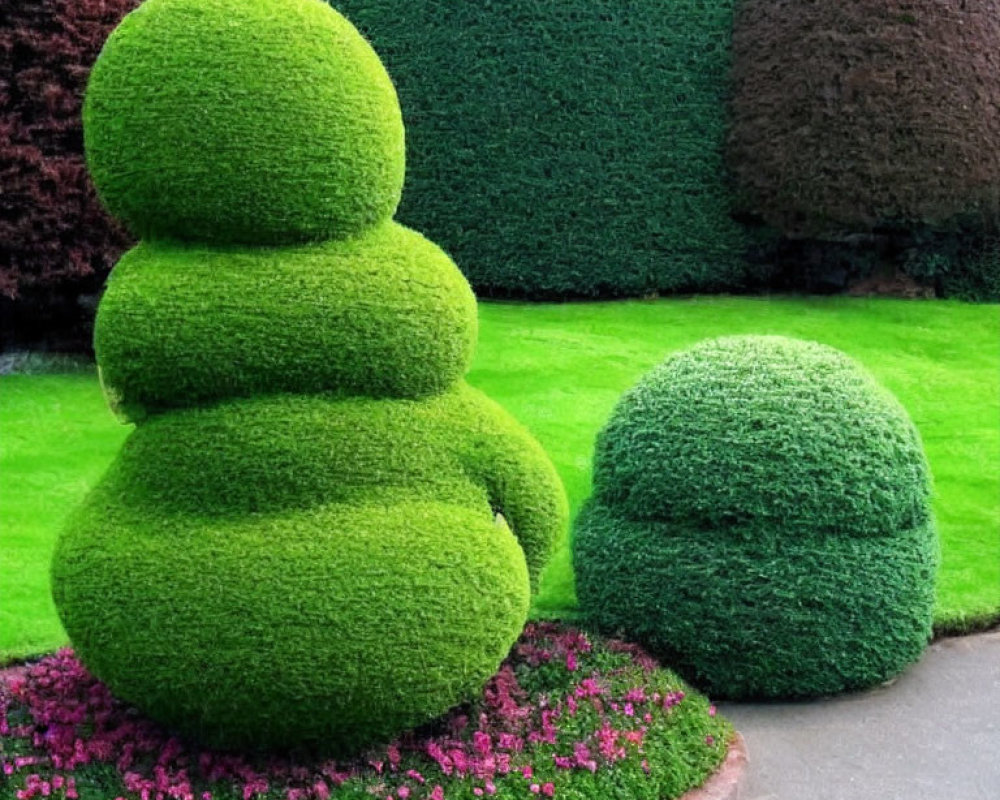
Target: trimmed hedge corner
855	115
570	149
761	518
305	541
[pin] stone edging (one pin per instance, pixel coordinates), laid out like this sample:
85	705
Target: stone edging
727	781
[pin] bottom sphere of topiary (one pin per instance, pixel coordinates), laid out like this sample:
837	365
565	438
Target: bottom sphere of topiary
567	715
751	618
324	628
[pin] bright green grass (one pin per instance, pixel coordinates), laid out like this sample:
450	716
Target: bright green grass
56	438
560	370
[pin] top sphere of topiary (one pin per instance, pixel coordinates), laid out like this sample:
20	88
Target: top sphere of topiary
245	121
760	434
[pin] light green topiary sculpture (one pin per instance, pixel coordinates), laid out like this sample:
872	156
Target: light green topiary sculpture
298	545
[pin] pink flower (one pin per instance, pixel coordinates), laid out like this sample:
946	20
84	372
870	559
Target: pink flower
571	661
322	791
711	711
437	793
549	789
527	772
535	788
508	741
403	792
481	741
710	740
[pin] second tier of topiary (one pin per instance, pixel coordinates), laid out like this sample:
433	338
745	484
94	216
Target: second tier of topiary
317	535
761	519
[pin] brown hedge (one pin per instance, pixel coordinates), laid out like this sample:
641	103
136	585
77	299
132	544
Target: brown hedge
56	241
856	114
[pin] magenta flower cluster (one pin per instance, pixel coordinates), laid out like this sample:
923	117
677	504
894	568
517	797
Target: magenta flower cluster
56	718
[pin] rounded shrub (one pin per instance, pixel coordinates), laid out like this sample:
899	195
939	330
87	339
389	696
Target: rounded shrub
761	518
317	535
327	626
870	131
265	122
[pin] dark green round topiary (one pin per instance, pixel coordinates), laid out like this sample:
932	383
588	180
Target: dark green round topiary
761	517
269	122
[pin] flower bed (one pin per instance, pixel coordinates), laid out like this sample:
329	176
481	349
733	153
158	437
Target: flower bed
567	715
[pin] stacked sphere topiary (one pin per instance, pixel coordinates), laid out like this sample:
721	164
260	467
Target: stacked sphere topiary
298	545
761	519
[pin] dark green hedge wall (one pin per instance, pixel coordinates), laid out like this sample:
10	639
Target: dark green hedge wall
567	148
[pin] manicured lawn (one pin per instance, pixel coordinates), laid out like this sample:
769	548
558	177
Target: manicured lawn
560	369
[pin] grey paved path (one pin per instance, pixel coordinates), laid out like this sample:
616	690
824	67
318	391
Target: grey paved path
934	734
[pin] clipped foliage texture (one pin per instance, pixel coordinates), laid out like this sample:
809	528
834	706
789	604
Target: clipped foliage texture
566	149
384	315
291	132
761	518
348	546
317	535
854	115
56	240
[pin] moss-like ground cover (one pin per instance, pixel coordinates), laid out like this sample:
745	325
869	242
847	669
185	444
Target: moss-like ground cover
560	369
565	716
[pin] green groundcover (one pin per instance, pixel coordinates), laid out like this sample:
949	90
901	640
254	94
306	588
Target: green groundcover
560	369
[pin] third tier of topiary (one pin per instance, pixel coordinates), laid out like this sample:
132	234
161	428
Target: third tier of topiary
761	518
297	546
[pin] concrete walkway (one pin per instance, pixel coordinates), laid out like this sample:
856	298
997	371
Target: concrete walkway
934	734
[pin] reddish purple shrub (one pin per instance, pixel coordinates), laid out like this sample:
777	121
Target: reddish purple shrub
54	235
561	712
851	116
